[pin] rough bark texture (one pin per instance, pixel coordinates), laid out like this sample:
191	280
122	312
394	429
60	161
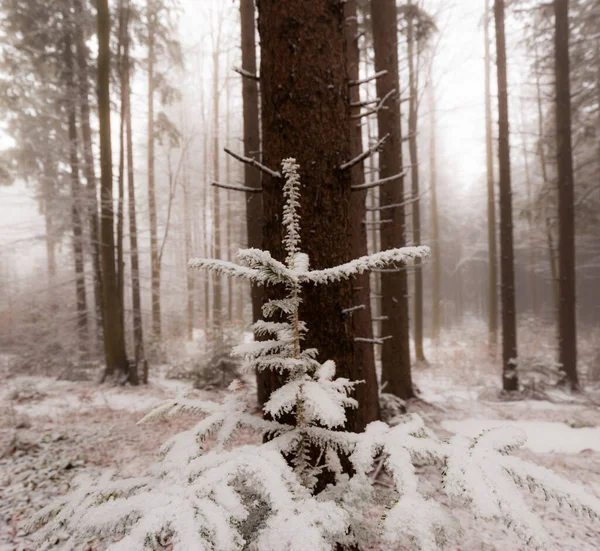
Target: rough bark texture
304	98
567	355
436	257
136	300
88	156
491	200
364	356
396	351
252	176
114	341
510	380
154	260
414	175
82	317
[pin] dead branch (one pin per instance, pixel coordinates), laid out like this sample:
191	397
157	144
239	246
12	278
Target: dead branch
368	79
246	74
237	188
365	154
254	163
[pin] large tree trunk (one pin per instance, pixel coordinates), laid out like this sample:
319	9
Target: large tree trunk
414	173
395	359
510	380
367	393
136	300
567	343
436	257
154	259
491	200
88	158
82	317
114	338
304	99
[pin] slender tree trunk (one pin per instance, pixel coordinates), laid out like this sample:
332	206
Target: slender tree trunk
414	173
510	380
154	260
88	158
395	359
491	200
206	244
82	317
436	257
547	185
567	343
136	299
121	177
367	394
114	341
217	288
305	109
187	223
228	198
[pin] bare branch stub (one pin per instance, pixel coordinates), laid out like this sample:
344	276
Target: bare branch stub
246	74
365	154
380	105
254	163
379	182
368	79
237	188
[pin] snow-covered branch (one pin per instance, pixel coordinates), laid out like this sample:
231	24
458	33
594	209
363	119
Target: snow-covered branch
237	188
367	79
365	154
253	162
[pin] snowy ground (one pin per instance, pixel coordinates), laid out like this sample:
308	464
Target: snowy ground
52	430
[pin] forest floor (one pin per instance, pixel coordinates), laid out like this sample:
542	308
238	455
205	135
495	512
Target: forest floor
52	430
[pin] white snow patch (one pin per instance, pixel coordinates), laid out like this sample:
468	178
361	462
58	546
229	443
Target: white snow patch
542	436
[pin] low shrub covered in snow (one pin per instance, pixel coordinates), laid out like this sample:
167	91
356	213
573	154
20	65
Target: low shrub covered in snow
264	497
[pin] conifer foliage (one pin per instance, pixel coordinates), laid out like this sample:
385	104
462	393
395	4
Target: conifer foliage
262	497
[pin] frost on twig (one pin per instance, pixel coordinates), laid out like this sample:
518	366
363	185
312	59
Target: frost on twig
365	154
253	162
237	188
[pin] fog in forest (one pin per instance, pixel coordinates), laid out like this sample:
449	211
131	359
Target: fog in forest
139	138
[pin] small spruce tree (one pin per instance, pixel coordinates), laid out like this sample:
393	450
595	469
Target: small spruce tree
252	497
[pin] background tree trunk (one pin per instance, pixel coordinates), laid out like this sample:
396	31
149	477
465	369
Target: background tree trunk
305	115
114	339
367	393
70	101
154	260
510	380
396	351
413	102
567	328
491	199
217	284
436	257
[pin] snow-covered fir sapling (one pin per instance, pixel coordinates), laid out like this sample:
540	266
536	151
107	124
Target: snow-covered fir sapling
254	497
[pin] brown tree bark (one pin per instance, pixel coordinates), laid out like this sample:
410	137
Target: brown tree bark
395	359
491	200
88	157
114	339
436	257
217	284
136	300
78	258
510	380
367	394
414	174
305	109
154	260
567	328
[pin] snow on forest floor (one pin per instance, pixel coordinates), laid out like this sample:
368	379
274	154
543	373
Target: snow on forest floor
52	430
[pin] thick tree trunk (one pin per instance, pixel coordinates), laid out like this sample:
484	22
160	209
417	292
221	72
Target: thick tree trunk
436	257
396	374
154	260
305	109
414	173
136	300
88	158
367	393
510	380
82	317
491	200
567	343
114	341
